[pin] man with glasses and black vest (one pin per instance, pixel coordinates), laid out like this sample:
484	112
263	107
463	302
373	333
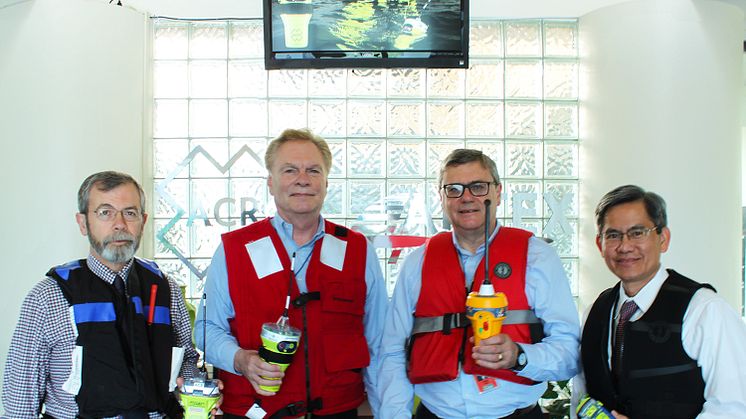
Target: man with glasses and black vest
104	336
504	375
657	344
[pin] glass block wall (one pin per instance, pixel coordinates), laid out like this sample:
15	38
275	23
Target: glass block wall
215	109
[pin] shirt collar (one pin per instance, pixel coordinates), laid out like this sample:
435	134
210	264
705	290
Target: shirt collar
285	229
480	250
102	271
645	297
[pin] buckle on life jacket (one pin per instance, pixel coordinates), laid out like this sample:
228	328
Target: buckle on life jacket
304	298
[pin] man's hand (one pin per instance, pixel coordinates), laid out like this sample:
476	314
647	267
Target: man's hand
496	352
251	366
618	415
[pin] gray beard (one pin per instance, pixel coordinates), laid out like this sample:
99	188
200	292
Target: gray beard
116	254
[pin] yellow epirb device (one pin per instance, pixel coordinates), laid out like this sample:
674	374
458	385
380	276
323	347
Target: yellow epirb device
486	310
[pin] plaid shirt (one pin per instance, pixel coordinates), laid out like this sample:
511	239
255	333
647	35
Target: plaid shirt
39	358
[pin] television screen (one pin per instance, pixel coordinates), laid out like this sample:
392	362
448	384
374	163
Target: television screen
366	33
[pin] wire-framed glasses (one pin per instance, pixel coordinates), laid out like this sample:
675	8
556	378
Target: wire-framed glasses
634	234
107	213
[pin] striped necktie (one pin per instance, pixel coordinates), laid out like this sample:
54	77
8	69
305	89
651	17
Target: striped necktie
628	309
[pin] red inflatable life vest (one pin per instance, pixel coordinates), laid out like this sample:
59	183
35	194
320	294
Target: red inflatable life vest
337	348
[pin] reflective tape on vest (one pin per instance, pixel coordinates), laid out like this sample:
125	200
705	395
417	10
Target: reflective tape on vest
94	312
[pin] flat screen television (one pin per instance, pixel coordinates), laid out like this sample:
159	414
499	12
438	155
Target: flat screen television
366	33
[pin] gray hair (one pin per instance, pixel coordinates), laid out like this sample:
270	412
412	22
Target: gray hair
298	135
106	181
465	155
655	206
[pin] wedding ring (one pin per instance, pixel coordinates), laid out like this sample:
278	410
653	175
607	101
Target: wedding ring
499	357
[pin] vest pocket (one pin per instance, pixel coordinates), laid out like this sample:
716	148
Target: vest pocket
345	352
343	297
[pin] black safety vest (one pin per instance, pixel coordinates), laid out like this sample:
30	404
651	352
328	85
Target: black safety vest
658	379
126	361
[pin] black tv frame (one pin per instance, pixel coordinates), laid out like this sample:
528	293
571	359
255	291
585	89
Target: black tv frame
366	59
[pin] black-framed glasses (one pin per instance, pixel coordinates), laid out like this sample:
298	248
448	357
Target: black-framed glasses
107	213
634	234
456	190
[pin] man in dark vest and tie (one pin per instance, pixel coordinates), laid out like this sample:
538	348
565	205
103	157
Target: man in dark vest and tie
657	344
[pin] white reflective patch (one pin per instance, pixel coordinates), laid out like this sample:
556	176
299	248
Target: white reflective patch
177	356
256	412
333	252
264	257
72	321
72	385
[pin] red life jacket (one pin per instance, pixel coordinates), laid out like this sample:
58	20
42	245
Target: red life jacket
436	356
337	349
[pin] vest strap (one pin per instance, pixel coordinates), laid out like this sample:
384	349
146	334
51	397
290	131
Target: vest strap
450	321
652	372
304	298
275	357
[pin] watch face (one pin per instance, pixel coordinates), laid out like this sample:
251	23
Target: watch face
522	359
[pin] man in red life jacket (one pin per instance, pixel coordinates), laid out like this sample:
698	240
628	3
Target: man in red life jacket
332	278
432	353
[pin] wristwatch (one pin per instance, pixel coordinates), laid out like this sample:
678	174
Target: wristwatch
521	360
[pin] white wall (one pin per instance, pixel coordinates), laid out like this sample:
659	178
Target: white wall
71	103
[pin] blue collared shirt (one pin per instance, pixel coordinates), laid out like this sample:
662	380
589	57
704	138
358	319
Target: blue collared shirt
554	358
223	345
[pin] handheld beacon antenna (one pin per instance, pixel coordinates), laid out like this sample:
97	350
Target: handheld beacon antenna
486	289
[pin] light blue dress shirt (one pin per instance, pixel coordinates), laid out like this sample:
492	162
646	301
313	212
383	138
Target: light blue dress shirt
554	358
222	345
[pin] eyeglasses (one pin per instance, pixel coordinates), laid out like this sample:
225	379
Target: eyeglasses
456	190
634	234
109	213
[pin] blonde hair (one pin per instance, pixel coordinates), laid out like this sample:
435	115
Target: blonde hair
298	135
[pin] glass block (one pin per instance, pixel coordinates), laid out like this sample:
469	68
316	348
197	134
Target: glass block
248	117
327	118
208	79
210	157
170	118
208	40
571	270
445	119
407	210
437	150
445	83
565	242
434	204
523	120
338	148
523	79
167	156
561	38
406	119
170	197
561	80
197	274
530	224
364	195
284	114
406	158
205	238
335	204
523	38
247	79
366	118
249	195
495	149
406	82
561	120
485	119
246	39
485	38
171	238
561	160
174	269
170	79
366	82
327	82
484	79
288	83
204	195
208	118
170	40
523	199
562	198
368	156
523	159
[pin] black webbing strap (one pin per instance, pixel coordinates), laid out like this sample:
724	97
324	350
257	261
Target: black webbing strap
652	372
275	357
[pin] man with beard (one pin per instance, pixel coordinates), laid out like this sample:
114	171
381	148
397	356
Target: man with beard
102	336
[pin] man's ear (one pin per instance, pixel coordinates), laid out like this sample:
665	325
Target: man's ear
80	219
665	237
